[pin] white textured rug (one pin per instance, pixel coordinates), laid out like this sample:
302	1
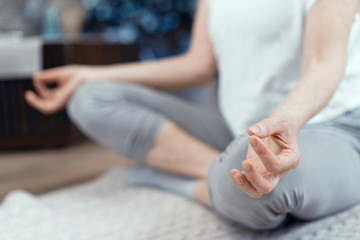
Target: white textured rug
107	208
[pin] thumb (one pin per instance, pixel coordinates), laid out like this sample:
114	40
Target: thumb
264	128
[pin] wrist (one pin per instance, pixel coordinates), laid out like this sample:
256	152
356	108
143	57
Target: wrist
88	74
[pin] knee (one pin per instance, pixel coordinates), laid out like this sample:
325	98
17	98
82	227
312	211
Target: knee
275	206
267	213
80	105
254	215
91	101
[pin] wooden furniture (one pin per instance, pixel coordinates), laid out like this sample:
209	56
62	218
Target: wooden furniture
22	126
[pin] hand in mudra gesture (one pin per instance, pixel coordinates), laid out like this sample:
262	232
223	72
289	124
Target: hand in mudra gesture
51	100
272	153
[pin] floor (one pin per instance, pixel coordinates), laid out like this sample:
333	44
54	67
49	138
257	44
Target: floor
108	208
40	171
88	211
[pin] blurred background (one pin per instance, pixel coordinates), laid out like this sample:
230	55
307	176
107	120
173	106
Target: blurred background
40	153
160	27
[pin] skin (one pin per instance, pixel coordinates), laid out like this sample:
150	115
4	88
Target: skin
273	149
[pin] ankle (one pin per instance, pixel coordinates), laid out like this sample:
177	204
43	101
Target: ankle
201	193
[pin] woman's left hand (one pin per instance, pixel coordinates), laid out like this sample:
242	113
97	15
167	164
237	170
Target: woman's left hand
272	153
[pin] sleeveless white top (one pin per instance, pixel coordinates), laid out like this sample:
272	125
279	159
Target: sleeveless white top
258	47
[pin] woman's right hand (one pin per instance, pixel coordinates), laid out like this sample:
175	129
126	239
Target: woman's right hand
51	100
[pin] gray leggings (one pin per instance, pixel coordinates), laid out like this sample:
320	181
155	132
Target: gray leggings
126	118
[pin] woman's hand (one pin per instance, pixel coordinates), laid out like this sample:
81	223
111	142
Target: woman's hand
51	100
272	153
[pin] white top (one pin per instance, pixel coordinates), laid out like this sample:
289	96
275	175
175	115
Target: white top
258	48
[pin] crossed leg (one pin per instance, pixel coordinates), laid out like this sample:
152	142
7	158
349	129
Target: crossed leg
185	155
324	183
152	127
149	126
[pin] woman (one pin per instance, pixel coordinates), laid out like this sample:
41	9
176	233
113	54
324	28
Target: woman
289	78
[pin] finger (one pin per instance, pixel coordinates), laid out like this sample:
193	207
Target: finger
250	153
239	179
262	183
40	80
232	179
241	182
271	162
233	172
265	128
45	106
49	75
41	88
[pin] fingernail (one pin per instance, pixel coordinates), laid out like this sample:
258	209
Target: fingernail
253	142
240	180
255	130
247	168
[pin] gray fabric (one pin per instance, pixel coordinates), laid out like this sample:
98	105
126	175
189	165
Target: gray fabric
326	181
126	117
147	176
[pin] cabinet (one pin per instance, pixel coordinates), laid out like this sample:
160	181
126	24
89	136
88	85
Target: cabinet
22	126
